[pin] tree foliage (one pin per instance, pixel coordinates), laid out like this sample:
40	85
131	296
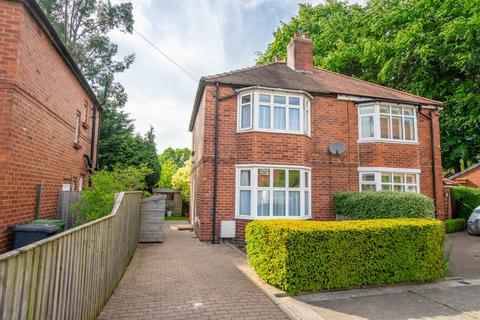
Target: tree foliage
98	199
170	161
181	180
178	156
426	47
83	26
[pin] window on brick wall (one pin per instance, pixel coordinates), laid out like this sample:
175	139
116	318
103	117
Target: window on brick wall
77	128
387	122
266	192
274	111
389	179
85	113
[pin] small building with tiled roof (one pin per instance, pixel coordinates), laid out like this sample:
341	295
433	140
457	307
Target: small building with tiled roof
469	177
278	141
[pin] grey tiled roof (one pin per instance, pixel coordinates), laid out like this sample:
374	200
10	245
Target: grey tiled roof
319	81
461	173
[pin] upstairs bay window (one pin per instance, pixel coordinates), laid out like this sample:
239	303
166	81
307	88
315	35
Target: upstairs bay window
274	111
272	192
389	122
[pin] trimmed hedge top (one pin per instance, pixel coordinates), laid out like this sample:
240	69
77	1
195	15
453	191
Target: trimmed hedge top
383	204
361	225
301	256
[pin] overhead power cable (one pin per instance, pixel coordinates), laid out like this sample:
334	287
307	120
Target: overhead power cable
165	55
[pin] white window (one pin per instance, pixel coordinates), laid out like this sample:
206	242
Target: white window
273	192
306	116
77	128
80	183
245	118
387	122
389	179
274	111
85	113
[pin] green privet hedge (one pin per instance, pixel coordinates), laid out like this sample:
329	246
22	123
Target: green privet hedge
455	225
384	204
467	200
301	256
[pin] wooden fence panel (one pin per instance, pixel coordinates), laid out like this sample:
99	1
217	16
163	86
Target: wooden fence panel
65	200
71	275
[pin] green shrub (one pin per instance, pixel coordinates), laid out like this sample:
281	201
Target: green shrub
98	199
467	200
300	256
385	204
455	225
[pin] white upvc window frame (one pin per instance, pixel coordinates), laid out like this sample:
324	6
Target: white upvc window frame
76	136
240	105
377	172
376	122
305	186
304	110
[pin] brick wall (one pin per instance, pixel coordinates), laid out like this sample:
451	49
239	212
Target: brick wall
39	101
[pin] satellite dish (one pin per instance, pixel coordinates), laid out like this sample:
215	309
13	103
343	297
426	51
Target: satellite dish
337	148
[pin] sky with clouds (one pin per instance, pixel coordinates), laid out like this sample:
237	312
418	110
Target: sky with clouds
203	36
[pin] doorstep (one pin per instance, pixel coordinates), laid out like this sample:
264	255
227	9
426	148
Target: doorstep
185	227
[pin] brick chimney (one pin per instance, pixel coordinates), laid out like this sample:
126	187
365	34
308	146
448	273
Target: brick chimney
299	53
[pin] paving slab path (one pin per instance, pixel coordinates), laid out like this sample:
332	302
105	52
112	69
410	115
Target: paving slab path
184	278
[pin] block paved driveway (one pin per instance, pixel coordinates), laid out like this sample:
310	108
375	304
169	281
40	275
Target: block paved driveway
183	278
464	255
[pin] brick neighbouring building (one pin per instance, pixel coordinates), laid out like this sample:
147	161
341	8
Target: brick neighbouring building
257	149
48	115
470	177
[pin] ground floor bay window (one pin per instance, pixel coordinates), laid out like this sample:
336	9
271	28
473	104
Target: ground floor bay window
272	192
389	179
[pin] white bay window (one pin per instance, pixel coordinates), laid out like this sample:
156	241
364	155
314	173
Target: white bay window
272	110
389	179
387	122
265	191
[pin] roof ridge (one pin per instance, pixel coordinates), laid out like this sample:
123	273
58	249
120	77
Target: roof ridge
242	70
377	85
458	174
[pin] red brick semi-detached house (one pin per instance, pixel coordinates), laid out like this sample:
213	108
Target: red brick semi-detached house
264	143
48	118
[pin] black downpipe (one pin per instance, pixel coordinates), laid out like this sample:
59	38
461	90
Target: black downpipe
215	164
434	170
92	143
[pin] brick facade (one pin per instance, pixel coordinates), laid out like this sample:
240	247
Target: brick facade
40	98
332	120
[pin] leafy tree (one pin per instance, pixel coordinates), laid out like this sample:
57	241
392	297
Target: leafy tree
170	161
181	180
98	199
83	26
178	156
168	169
427	47
134	151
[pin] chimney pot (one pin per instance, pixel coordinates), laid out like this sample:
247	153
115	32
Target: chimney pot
300	52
